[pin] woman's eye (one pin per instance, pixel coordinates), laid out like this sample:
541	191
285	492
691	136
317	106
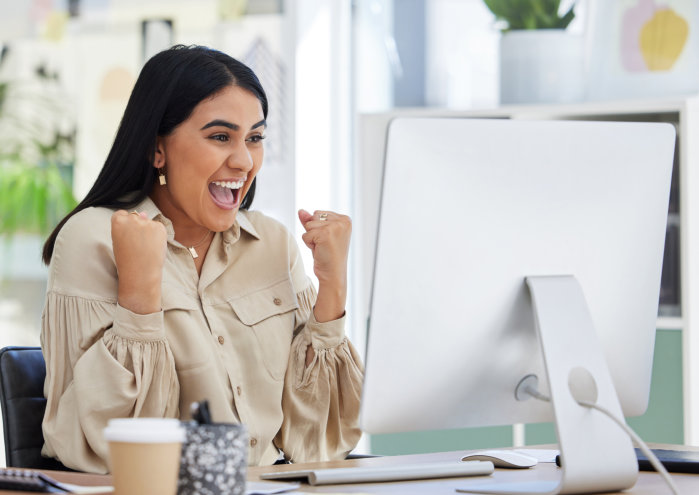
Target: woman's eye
256	138
220	137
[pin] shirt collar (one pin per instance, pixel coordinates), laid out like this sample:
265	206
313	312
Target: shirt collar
233	234
242	219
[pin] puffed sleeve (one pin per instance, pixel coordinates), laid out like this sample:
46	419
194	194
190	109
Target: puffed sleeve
320	401
102	361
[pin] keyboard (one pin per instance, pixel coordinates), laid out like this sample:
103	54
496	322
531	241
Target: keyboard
675	461
402	472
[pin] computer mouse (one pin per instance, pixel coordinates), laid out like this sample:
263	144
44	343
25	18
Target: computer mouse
502	458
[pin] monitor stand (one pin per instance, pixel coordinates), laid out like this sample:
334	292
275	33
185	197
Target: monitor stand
596	455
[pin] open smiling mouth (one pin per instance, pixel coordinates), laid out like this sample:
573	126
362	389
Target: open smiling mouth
226	194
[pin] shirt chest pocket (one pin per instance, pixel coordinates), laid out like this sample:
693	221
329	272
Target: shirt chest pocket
185	328
270	314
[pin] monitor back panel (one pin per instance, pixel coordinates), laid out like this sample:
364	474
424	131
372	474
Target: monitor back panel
469	208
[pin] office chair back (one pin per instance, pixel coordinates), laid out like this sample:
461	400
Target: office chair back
22	374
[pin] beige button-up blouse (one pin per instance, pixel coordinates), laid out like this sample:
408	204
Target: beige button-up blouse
236	336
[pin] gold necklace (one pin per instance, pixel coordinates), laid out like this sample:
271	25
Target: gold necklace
192	249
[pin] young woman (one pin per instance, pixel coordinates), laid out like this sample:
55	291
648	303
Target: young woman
164	289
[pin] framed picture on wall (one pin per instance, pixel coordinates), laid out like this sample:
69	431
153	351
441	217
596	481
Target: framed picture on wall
642	48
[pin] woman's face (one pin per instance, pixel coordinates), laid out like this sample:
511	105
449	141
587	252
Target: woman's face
210	160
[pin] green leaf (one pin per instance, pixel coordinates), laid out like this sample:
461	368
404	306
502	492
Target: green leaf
33	199
530	14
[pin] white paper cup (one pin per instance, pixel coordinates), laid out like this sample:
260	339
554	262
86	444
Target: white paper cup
144	455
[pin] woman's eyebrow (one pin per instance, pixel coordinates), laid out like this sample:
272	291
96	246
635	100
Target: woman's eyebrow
230	125
221	123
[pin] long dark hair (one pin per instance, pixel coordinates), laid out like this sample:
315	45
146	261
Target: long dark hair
170	85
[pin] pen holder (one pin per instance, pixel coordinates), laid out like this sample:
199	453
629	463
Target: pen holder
214	459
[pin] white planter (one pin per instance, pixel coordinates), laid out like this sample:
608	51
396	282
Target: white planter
22	289
541	66
20	257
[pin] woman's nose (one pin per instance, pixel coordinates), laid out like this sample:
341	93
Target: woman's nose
240	159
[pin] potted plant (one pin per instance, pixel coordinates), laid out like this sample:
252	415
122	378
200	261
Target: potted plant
34	197
540	61
530	14
37	152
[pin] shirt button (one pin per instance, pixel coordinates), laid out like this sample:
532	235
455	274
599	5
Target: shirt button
220	339
239	390
277	301
253	442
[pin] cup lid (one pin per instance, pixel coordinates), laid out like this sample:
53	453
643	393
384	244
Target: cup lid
144	430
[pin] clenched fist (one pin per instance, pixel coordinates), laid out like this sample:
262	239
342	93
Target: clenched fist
328	236
139	246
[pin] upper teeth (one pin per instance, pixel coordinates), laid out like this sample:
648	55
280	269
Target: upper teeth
230	184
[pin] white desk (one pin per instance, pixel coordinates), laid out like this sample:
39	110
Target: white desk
648	482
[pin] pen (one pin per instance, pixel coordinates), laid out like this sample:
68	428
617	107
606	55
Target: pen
200	412
205	415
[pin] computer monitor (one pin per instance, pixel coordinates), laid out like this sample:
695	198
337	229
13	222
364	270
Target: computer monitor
498	237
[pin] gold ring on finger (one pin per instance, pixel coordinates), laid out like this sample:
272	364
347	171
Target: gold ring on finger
323	216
